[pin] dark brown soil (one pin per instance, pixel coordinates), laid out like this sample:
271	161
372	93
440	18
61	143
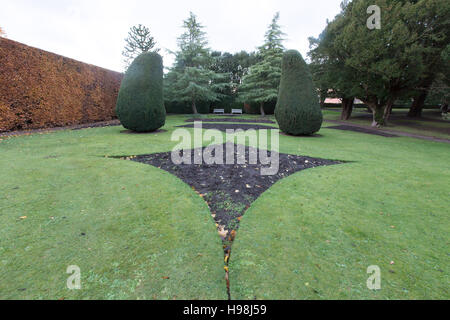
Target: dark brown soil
363	130
112	123
229	190
233	126
134	132
232	120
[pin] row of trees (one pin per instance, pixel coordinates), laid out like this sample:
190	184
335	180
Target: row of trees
200	75
406	59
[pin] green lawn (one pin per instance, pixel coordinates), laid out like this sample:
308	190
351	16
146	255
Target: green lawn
138	232
431	124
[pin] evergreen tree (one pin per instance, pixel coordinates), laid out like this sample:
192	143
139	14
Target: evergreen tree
330	74
139	41
140	104
235	66
191	80
382	65
261	84
298	110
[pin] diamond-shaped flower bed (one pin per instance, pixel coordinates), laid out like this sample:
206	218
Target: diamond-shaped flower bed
229	190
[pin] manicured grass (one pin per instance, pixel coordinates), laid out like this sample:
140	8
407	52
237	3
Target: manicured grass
141	224
314	234
426	126
138	232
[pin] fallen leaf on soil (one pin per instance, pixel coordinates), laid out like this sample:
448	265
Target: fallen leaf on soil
166	278
222	232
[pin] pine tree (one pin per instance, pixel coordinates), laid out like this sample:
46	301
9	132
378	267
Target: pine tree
261	84
191	80
139	41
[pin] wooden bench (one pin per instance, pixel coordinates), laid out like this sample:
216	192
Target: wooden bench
219	111
236	111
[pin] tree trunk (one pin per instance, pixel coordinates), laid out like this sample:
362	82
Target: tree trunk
388	109
378	113
347	108
194	108
417	105
323	97
262	109
419	99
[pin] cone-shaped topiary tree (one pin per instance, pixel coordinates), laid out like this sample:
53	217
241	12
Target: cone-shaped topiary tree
298	110
140	104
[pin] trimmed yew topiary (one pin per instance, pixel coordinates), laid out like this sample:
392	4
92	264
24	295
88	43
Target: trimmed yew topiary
298	110
140	104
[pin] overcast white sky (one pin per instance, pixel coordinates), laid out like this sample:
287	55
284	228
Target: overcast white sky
93	31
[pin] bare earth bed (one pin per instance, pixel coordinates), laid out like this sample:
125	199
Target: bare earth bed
232	126
231	120
229	190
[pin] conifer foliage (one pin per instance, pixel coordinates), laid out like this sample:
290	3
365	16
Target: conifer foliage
191	80
140	104
139	41
298	111
261	84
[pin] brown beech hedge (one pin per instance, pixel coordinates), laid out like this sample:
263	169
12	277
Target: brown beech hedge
39	89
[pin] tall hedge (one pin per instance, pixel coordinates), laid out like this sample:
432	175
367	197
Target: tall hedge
140	104
298	110
40	89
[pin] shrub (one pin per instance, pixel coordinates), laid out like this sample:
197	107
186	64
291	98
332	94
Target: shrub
140	104
298	110
7	118
39	89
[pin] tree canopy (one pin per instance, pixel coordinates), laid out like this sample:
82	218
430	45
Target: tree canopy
139	41
191	79
261	83
379	66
